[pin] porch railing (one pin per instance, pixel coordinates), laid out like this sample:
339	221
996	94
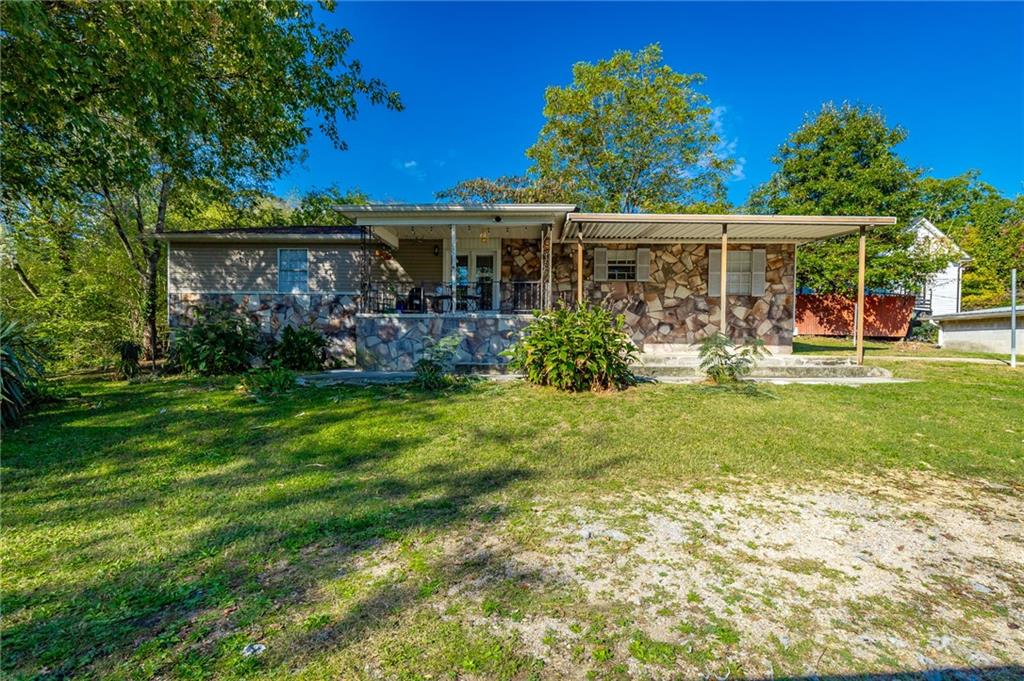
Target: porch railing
441	298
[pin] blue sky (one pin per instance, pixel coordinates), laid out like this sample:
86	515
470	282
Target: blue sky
472	77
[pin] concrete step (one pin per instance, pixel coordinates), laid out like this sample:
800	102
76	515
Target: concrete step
800	370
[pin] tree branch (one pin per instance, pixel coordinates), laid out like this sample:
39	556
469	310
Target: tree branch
25	281
116	220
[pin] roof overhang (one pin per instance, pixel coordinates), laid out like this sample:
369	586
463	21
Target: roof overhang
479	214
989	313
701	228
247	236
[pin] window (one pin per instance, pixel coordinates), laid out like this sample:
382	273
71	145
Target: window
744	274
292	270
622	265
738	276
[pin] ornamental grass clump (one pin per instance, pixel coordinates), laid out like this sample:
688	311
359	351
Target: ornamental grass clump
586	348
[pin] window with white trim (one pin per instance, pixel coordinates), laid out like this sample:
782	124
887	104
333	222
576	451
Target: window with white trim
745	272
621	265
617	264
292	270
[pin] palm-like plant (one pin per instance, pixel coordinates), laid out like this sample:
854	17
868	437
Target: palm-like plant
21	367
723	362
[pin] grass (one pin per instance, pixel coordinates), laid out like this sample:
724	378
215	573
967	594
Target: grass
830	345
155	529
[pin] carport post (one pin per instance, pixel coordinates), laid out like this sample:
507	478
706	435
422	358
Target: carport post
860	295
724	302
579	267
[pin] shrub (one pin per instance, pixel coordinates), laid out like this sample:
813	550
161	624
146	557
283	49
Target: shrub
582	349
923	331
300	349
128	355
218	343
268	381
434	369
21	369
723	362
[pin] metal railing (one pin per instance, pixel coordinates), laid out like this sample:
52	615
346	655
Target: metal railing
441	298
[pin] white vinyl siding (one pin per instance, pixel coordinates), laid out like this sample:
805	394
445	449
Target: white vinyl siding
292	270
745	274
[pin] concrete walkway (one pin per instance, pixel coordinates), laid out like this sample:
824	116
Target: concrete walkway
912	358
362	378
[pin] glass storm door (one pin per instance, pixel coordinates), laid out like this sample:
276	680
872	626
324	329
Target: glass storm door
483	274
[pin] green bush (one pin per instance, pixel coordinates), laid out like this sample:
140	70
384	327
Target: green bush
218	343
128	355
21	370
723	362
582	349
268	381
434	369
923	331
300	349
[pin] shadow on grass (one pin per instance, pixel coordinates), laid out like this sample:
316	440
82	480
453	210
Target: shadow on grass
260	495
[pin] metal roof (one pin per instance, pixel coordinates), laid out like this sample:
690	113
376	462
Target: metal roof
415	214
704	228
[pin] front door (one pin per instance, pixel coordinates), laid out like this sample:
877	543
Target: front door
475	273
483	274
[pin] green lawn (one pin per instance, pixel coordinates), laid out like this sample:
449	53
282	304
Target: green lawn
155	529
831	345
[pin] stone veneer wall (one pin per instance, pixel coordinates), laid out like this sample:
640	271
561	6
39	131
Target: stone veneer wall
331	314
520	260
391	342
674	306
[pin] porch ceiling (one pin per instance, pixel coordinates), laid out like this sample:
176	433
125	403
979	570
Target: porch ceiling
674	228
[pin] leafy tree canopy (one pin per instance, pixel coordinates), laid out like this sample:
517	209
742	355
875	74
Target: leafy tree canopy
630	134
985	224
842	161
98	93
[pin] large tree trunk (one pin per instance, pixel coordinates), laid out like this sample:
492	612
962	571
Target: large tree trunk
151	339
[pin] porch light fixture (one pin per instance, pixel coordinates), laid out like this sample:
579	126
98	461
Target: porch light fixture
485	234
437	250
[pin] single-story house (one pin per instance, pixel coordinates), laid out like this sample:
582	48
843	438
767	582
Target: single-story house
980	330
404	274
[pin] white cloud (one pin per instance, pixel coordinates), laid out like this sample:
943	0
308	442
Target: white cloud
726	148
410	167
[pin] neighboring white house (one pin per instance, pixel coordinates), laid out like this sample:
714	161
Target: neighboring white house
980	330
940	294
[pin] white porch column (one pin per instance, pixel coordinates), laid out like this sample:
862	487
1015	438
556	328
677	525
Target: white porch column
454	274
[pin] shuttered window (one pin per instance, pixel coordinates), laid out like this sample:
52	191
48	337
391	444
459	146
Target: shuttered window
745	274
292	270
622	265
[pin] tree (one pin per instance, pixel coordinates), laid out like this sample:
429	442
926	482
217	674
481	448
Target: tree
842	161
987	225
630	134
134	106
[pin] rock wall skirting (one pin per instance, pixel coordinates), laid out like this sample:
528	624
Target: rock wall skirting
391	342
333	314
